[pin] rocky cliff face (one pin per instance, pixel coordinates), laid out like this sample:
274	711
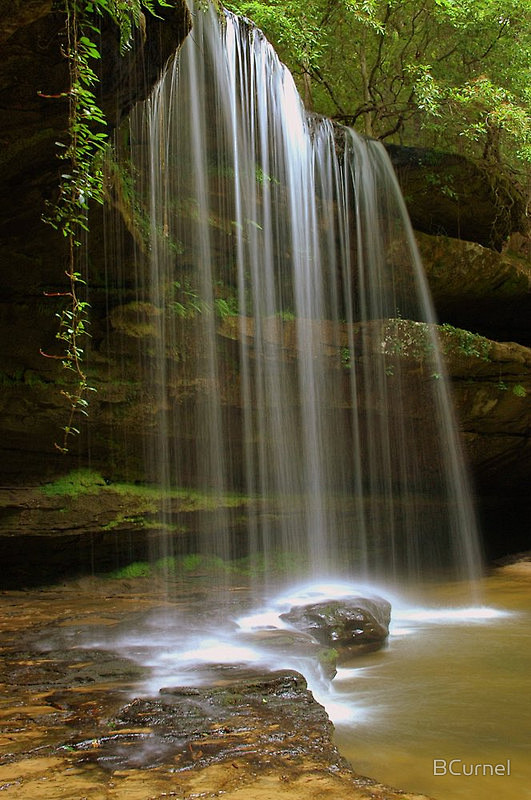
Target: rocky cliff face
448	195
480	289
471	236
33	116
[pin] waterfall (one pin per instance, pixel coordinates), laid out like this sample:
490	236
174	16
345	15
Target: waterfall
293	356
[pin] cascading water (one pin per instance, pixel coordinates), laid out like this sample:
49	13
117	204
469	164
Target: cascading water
293	356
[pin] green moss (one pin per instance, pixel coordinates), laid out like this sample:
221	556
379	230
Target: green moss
79	481
170	565
327	658
166	565
287	315
124	519
137	319
191	562
148	498
138	569
194	562
279	562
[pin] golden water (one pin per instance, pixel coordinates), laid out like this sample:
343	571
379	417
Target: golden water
455	690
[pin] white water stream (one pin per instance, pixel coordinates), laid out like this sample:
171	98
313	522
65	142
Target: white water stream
292	354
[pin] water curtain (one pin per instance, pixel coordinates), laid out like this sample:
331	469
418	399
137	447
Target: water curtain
294	358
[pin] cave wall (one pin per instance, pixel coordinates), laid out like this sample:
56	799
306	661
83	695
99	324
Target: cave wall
33	117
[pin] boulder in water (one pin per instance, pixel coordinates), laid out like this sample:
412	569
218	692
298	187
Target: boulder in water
349	623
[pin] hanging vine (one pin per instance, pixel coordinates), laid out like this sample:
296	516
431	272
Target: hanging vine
82	181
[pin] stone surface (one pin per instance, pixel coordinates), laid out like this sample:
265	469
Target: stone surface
517	565
353	624
491	392
447	194
256	716
480	289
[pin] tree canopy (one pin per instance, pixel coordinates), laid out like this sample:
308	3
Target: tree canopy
454	74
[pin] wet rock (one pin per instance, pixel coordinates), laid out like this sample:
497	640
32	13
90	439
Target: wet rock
298	645
355	622
262	716
517	565
260	736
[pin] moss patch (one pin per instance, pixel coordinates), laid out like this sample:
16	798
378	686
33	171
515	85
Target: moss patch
86	481
79	481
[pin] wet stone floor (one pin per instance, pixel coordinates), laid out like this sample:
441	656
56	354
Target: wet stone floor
73	726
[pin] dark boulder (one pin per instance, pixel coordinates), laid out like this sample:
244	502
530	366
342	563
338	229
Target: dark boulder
354	622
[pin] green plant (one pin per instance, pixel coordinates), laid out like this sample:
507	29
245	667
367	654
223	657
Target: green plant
263	178
82	178
345	355
187	302
453	74
406	338
287	315
467	343
226	307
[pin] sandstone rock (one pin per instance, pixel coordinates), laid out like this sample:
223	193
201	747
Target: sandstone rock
448	194
198	726
491	391
480	289
517	565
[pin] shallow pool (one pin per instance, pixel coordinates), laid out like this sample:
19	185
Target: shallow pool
444	709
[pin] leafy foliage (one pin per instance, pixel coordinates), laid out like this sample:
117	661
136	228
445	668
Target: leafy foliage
450	73
82	179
